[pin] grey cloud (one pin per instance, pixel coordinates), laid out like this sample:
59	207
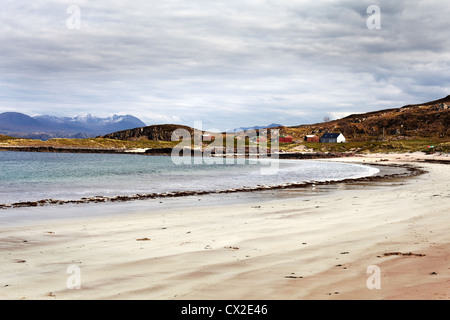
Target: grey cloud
221	61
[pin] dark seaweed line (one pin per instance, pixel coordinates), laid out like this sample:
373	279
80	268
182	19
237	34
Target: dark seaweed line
411	171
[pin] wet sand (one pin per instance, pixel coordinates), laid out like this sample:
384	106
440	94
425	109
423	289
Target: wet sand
314	246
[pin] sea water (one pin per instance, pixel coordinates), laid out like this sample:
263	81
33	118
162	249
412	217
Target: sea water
31	176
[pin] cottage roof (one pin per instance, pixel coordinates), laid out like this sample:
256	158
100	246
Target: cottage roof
331	135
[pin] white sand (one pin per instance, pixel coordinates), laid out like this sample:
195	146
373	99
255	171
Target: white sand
310	247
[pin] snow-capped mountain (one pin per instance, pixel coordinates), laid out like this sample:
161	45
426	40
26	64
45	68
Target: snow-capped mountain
45	126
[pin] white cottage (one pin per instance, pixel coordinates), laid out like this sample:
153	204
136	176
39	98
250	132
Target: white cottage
332	138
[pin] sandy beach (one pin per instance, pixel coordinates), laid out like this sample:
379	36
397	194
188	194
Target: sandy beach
306	247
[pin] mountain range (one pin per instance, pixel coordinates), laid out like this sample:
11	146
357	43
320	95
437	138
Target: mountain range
45	127
429	119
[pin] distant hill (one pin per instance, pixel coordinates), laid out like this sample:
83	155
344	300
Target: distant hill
429	119
159	132
45	127
163	132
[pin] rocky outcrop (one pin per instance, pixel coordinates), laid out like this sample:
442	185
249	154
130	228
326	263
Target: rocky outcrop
161	132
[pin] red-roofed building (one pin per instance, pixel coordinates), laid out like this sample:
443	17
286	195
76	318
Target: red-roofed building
312	138
285	139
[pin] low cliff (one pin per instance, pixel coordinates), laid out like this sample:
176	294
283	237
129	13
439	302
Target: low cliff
161	132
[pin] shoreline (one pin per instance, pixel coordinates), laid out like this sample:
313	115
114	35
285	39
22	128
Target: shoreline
403	171
309	247
51	149
167	151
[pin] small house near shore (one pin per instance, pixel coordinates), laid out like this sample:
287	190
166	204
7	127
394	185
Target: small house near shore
332	138
208	137
312	138
285	139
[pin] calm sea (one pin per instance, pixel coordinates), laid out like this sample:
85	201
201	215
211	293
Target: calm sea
34	176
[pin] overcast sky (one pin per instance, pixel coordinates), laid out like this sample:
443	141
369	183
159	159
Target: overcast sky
227	63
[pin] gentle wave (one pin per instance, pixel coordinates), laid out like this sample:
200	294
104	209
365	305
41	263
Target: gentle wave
70	177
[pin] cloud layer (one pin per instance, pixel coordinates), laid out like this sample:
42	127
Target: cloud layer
227	63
